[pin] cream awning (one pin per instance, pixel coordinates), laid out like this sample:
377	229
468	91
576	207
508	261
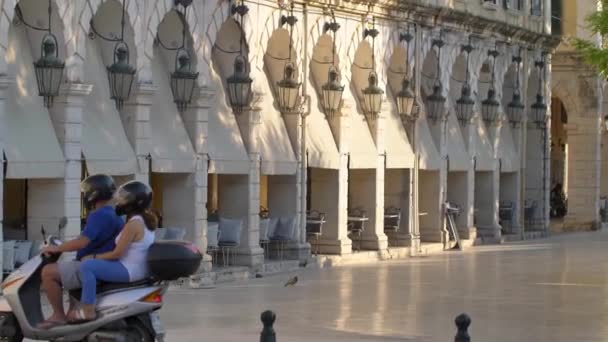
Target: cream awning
226	149
429	155
170	145
104	142
362	148
459	157
275	147
321	148
507	152
399	154
26	131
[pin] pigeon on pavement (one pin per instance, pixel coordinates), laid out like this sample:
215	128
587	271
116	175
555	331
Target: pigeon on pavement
291	281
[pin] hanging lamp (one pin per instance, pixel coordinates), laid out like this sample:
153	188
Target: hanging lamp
489	106
405	98
288	89
436	101
465	104
515	108
539	107
333	90
372	94
239	83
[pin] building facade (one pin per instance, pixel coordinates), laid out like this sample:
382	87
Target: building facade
212	160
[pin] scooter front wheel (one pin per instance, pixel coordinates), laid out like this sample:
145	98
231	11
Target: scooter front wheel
10	331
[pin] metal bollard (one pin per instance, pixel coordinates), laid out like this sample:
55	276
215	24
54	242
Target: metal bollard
268	317
462	323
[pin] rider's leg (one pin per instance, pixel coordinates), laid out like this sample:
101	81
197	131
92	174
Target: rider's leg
92	270
51	283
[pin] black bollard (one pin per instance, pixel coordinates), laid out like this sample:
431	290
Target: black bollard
462	323
268	317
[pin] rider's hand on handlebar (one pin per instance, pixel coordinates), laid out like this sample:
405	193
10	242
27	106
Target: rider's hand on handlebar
50	250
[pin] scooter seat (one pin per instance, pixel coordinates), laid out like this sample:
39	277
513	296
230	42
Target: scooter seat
103	287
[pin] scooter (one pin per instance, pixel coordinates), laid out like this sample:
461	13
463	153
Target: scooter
126	312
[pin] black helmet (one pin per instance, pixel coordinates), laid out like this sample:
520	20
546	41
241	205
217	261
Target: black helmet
132	197
97	188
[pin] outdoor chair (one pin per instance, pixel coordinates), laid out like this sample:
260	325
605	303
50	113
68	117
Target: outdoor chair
506	211
264	239
356	225
529	212
213	239
230	238
392	219
314	228
283	233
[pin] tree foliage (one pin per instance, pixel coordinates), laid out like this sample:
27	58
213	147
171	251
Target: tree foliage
594	53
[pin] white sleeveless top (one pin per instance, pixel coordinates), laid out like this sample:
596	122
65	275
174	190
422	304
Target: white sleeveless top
135	257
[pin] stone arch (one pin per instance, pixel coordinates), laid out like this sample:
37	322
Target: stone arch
60	10
161	10
221	13
87	12
270	26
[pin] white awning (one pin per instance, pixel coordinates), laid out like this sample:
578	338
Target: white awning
227	152
275	147
459	157
320	144
429	155
27	133
104	141
507	152
399	154
170	145
363	153
484	151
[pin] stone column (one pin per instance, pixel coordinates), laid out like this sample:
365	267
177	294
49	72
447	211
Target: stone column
373	237
439	130
250	253
335	235
66	115
196	121
294	123
517	223
135	115
466	221
4	84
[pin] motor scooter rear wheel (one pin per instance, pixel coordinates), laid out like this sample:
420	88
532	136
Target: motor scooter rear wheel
138	332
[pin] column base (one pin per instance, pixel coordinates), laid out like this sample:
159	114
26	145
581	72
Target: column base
338	247
375	243
401	239
292	250
428	234
253	256
468	233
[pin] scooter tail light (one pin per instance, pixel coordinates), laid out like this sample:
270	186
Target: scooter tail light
154	297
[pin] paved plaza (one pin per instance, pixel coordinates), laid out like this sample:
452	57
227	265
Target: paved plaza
544	290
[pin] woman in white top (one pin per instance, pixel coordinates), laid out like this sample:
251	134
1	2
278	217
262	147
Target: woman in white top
127	262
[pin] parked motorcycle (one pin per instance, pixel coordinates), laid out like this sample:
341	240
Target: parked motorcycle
126	311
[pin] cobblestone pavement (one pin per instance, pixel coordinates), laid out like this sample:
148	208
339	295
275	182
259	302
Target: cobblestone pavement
544	290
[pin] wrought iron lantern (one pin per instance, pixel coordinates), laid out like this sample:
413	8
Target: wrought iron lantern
332	90
121	74
465	104
49	67
372	94
288	89
239	86
49	70
489	106
436	101
515	108
539	107
239	83
183	80
405	98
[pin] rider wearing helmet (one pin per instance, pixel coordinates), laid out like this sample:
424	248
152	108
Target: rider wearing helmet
127	261
102	227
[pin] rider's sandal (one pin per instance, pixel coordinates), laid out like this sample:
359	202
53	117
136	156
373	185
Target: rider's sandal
81	317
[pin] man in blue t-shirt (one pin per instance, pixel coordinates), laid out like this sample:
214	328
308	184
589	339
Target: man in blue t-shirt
99	235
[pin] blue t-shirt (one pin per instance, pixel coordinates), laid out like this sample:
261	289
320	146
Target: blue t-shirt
102	228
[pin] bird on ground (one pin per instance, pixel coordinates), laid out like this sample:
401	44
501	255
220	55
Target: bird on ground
291	281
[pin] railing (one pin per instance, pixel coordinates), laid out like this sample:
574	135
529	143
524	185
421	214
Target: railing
462	321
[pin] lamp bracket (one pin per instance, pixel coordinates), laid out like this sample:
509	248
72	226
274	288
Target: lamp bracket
406	37
539	64
467	48
517	59
291	20
241	10
370	33
493	53
438	43
183	3
331	26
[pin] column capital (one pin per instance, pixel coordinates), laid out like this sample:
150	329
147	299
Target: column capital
74	93
204	97
142	94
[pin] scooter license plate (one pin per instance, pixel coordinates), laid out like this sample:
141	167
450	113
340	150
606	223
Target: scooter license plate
157	325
